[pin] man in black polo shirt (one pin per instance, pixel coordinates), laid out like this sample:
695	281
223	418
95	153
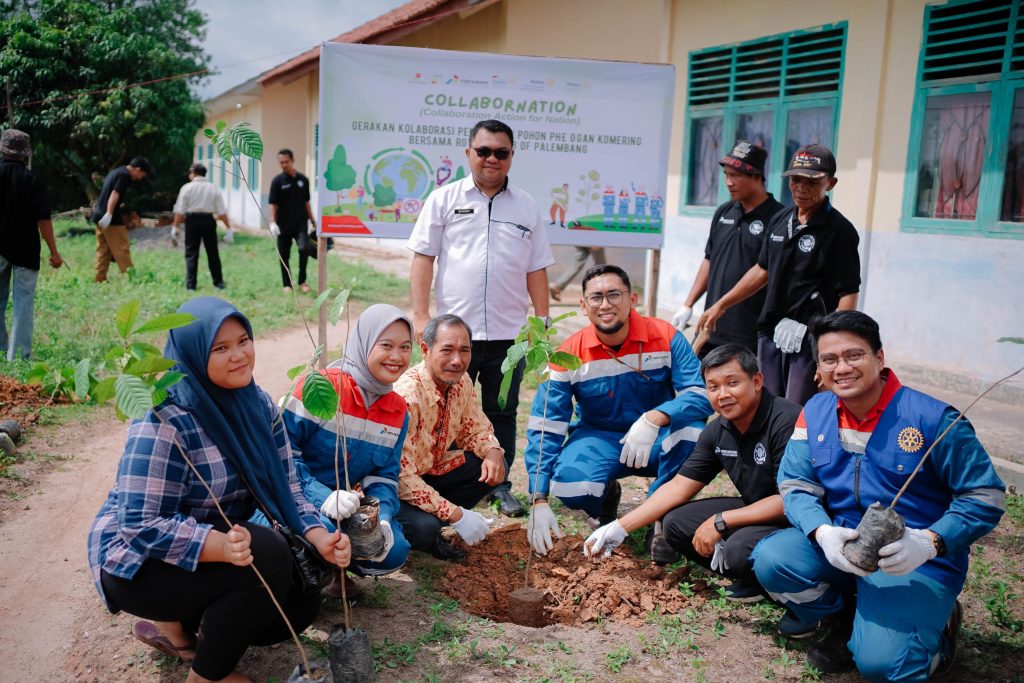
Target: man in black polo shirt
734	243
747	441
808	266
24	216
111	229
289	213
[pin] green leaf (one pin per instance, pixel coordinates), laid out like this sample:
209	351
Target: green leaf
113	353
82	379
168	321
134	396
221	125
338	307
1012	340
104	390
209	132
166	381
515	353
223	145
142	349
126	317
319	397
563	359
321	298
506	383
317	353
536	324
149	364
246	140
37	373
159	396
562	317
536	358
296	371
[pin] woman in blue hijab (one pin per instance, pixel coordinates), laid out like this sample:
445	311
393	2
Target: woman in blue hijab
159	548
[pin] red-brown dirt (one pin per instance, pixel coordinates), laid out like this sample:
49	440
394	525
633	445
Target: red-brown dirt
20	401
576	589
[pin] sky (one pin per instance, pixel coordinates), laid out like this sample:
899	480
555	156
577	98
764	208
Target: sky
245	39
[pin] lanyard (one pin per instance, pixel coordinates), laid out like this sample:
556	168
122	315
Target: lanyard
639	360
789	228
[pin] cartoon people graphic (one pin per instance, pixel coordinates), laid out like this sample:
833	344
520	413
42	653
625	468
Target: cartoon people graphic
623	208
639	206
444	170
657	203
608	203
559	203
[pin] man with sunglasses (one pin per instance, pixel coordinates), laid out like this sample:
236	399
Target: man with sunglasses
492	251
854	445
808	266
639	402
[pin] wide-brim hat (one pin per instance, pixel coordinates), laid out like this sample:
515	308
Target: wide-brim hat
15	144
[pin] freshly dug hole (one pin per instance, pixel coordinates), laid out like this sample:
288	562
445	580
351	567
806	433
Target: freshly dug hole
576	589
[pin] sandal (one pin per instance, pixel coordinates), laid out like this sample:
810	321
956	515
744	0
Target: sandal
148	633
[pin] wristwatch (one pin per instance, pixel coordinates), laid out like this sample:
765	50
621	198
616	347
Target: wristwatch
547	321
720	525
939	543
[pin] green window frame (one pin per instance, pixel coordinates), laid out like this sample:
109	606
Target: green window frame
759	86
223	174
972	50
236	175
253	174
199	152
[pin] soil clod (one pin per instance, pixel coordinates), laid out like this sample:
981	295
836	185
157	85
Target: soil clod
526	607
351	655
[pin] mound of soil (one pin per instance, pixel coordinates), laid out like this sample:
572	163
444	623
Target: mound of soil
576	589
20	401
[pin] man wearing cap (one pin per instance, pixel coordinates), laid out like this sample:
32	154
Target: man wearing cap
808	267
24	216
199	205
734	243
111	231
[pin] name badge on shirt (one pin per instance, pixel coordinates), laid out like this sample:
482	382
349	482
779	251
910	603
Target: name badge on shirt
463	211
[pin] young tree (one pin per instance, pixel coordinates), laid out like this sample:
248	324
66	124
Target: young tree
339	176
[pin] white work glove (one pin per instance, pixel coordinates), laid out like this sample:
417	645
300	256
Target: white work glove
229	236
607	538
907	554
682	317
789	335
637	443
718	558
275	230
389	541
175	233
831	539
540	527
472	527
105	221
341	505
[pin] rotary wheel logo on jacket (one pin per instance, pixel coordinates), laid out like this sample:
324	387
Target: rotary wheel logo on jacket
910	439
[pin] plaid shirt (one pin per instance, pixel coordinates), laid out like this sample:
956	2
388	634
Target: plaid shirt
158	509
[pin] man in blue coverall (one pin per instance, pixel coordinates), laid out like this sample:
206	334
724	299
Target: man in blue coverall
852	446
640	405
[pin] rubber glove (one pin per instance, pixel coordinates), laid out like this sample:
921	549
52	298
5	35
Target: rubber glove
275	230
607	538
832	539
472	527
175	232
789	335
682	317
389	541
105	221
718	558
540	527
229	236
907	554
341	505
637	442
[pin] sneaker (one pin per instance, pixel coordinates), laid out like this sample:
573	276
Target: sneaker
659	548
952	635
220	285
507	503
831	656
610	504
791	627
741	591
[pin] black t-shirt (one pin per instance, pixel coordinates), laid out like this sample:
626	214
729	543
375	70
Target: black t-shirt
22	205
290	194
808	270
751	460
118	181
734	243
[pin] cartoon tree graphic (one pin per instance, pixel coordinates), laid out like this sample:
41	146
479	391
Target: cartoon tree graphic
339	175
460	173
589	190
383	193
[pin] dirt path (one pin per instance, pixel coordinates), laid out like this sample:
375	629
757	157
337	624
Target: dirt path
48	606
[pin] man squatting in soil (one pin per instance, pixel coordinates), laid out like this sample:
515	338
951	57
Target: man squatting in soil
747	441
492	253
640	403
853	445
111	230
451	458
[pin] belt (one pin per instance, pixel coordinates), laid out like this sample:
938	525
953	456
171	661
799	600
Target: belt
197	214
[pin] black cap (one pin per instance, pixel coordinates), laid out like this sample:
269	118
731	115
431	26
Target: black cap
812	161
746	157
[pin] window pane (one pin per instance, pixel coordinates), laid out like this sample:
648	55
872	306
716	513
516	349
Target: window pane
810	126
705	153
756	127
952	149
1013	182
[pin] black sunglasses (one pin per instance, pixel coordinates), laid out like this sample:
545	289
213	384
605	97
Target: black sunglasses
500	154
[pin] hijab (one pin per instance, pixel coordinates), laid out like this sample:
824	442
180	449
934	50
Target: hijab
236	420
364	334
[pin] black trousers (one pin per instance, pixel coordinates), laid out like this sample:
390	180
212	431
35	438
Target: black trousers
485	366
461	486
790	375
681	524
201	228
226	605
284	248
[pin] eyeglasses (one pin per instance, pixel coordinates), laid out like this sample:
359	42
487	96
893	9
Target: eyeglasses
614	298
855	357
500	154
